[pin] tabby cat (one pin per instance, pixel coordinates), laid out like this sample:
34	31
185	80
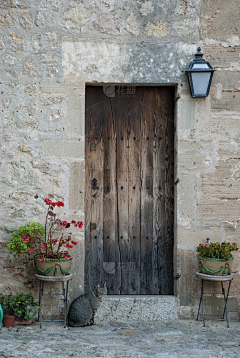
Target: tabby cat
83	308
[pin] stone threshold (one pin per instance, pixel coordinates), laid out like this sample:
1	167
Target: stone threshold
126	308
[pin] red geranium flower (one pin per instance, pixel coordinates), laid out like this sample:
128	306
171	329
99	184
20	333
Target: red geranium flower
60	203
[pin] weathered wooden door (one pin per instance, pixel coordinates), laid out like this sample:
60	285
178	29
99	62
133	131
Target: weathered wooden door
129	189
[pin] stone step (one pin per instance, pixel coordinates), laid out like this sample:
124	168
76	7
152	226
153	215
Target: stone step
146	308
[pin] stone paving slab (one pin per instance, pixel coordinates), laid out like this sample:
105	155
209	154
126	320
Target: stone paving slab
179	338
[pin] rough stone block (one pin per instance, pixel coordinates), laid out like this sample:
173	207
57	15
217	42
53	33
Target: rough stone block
188	284
26	20
18	42
186	198
225	168
221	189
215	304
220	19
190	238
90	59
76	116
30	69
160	29
232	234
195	144
63	148
67	88
186	113
230	100
192	161
220	210
76	186
137	308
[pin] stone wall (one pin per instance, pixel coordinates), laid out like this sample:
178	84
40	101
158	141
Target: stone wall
50	49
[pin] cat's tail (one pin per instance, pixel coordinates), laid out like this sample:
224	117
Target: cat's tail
76	324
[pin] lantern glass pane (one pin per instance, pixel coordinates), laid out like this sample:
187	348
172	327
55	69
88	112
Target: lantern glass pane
200	81
200	65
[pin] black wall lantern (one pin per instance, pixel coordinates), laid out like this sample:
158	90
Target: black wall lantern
200	74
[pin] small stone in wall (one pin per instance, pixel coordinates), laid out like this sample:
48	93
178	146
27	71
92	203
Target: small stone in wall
158	30
7	20
132	25
52	71
26	21
29	69
40	19
52	39
48	101
36	43
9	60
55	115
74	19
146	8
44	18
30	90
17	42
24	148
2	44
17	213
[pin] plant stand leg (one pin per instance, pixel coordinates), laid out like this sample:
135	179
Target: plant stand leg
201	301
225	301
65	294
40	301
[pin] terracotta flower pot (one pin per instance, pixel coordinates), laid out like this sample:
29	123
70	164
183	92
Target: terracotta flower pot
53	267
8	321
212	266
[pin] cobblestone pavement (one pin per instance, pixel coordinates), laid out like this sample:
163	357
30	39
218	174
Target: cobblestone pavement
179	338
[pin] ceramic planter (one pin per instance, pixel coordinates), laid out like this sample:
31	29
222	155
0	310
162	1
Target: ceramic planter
212	266
8	321
53	267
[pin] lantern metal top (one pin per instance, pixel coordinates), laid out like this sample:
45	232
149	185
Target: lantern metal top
199	64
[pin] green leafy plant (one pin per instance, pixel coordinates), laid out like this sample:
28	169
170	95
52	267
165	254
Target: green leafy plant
26	306
218	250
27	238
52	241
8	303
20	305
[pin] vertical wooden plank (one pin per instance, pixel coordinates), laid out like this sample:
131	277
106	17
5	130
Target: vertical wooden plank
148	248
134	191
94	198
122	108
111	259
164	182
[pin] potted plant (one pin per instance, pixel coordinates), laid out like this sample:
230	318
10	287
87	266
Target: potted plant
216	258
18	309
8	303
49	245
26	308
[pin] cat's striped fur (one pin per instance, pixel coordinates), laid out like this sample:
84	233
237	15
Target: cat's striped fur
84	307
